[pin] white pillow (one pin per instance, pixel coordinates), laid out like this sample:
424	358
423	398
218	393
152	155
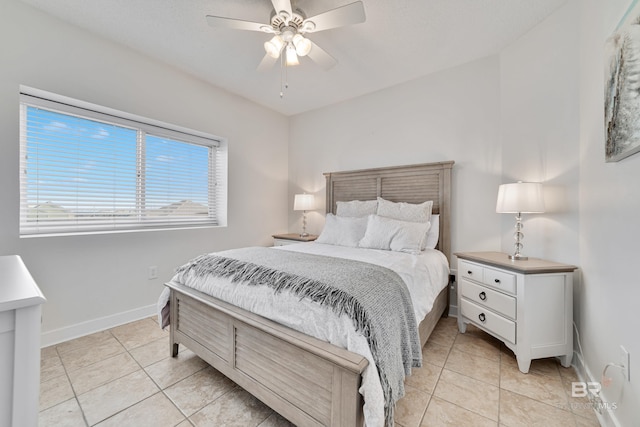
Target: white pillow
342	231
405	211
434	232
392	234
358	208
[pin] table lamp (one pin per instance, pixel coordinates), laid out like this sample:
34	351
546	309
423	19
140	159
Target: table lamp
304	203
520	197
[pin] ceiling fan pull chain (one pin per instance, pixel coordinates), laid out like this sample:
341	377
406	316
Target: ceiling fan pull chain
281	78
286	76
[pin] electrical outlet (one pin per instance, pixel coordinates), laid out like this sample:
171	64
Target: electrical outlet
153	272
625	361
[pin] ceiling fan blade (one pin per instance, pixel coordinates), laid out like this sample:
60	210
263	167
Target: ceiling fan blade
237	24
321	57
352	13
282	5
267	62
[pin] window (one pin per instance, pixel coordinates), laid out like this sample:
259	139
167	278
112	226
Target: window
88	169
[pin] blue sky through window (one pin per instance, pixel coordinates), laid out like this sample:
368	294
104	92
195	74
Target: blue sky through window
84	165
175	171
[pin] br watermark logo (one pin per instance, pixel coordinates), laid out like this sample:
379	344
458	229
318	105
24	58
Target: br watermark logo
582	389
591	390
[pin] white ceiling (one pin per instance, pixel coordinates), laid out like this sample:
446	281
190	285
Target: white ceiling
401	40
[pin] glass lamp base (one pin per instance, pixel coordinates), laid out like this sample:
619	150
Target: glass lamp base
518	257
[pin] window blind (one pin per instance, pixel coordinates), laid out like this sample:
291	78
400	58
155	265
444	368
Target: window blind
83	170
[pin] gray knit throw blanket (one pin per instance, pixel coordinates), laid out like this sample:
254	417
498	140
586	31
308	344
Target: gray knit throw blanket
375	297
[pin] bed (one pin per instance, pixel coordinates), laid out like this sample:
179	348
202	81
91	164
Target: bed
319	383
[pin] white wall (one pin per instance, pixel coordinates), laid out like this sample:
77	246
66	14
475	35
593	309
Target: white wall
609	225
452	115
553	131
539	114
93	281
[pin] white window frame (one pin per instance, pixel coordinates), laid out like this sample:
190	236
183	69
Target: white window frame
217	169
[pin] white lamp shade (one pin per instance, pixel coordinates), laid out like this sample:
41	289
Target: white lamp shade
303	46
523	197
274	46
303	202
290	56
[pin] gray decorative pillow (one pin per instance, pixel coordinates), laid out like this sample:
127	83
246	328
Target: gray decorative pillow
357	208
405	211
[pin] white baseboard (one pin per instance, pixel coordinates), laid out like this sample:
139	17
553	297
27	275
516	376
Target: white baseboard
67	333
606	416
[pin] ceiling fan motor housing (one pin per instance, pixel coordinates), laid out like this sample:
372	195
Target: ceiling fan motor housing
281	20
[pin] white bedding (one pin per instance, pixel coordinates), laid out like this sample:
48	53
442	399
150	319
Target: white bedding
425	276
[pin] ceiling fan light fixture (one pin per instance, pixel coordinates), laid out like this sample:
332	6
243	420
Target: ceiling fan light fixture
289	27
273	47
287	33
291	57
303	45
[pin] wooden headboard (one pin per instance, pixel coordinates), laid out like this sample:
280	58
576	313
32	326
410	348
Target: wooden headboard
411	184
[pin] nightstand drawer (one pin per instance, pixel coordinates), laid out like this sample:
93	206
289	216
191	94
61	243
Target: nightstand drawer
495	278
470	271
500	279
488	320
496	301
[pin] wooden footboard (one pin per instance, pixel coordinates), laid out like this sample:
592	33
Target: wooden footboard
308	381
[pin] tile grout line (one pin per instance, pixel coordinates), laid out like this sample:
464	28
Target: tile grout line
75	395
112	380
453	403
126	350
160	389
529	397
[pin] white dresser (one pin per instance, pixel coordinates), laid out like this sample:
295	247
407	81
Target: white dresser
20	308
528	305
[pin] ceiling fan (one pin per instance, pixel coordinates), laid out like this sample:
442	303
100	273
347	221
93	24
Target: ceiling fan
289	27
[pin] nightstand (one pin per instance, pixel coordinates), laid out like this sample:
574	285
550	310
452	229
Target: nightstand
528	305
288	239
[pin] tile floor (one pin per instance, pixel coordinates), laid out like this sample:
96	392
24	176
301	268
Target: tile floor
125	377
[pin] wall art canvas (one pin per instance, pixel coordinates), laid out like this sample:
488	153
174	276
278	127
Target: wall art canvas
622	87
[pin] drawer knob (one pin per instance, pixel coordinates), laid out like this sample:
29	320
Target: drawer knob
482	317
469	272
482	296
497	280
